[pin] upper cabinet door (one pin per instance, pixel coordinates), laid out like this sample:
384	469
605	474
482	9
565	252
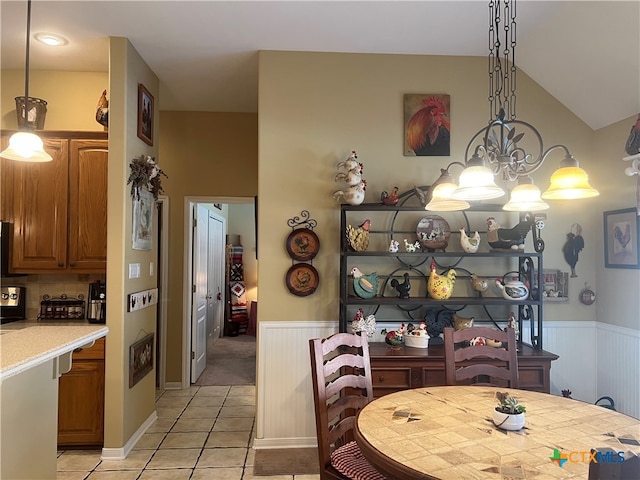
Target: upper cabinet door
40	211
88	162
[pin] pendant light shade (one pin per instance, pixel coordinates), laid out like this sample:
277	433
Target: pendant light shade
477	183
569	182
442	201
26	146
525	197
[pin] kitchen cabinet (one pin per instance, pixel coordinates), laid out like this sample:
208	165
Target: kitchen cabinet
81	399
59	208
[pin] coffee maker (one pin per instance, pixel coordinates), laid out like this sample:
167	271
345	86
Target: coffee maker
97	302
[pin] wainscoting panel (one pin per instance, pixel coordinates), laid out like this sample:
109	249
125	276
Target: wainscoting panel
619	367
285	413
575	344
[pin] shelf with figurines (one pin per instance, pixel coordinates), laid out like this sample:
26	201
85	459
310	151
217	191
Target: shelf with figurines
397	255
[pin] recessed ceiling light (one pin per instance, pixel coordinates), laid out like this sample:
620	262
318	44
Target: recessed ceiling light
51	39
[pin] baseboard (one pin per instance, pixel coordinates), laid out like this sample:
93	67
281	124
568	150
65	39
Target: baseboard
121	453
272	443
173	386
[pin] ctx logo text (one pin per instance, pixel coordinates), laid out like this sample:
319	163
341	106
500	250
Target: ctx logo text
586	457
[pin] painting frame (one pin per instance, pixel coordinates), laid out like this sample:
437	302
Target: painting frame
621	233
419	112
140	359
142	227
146	110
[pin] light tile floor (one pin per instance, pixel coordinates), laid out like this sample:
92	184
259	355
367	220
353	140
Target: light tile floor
203	433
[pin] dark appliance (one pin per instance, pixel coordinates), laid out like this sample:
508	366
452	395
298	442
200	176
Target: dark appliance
6	233
97	302
12	304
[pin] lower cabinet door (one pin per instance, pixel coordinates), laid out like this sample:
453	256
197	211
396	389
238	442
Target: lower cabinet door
81	405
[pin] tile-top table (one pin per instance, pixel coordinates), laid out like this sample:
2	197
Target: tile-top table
447	433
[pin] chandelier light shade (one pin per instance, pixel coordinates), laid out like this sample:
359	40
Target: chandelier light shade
441	191
525	197
508	148
26	146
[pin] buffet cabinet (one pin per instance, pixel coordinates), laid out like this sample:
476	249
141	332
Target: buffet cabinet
81	399
58	209
400	368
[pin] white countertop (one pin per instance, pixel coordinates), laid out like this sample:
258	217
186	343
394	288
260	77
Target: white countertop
24	345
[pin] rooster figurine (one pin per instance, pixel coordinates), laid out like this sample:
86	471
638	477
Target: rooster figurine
358	238
351	162
573	246
353	195
402	288
441	287
362	324
469	244
508	238
102	111
390	198
365	286
351	177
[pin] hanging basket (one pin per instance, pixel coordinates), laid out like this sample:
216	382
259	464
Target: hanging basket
37	113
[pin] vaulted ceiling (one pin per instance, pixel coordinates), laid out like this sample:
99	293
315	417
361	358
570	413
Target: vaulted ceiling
584	53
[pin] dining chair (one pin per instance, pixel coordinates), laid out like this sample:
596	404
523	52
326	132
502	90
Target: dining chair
341	374
614	467
480	364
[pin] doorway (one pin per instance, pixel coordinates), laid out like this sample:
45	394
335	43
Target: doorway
199	335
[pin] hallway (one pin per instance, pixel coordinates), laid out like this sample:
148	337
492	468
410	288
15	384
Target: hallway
231	361
203	433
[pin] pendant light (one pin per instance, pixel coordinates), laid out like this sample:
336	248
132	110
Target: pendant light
25	145
441	191
499	148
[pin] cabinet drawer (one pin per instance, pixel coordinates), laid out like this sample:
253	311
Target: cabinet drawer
96	352
391	377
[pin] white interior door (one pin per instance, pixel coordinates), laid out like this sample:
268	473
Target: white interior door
216	291
200	293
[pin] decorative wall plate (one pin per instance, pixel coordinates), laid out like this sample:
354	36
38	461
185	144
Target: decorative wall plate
433	233
303	244
302	279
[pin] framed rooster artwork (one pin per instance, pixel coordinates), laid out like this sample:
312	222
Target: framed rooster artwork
427	127
621	232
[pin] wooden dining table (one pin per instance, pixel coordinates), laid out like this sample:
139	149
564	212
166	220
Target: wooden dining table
447	433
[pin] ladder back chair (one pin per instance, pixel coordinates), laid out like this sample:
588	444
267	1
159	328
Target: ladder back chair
341	376
481	364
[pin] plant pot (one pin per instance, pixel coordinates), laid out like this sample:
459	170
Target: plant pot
507	421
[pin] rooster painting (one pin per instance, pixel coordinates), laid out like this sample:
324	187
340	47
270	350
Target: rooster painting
622	238
427	131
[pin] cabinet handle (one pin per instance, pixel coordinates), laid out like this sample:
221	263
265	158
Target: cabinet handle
60	264
381	378
72	264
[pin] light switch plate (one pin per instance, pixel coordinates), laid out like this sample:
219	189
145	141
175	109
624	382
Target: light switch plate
134	270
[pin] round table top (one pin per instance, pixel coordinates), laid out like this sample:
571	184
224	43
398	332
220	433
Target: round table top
447	433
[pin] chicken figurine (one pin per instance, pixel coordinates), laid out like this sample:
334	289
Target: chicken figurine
353	195
390	198
362	324
365	286
351	177
441	287
402	288
358	237
469	244
350	163
508	238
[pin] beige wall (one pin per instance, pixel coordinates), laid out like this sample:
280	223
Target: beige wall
126	408
204	154
72	97
316	107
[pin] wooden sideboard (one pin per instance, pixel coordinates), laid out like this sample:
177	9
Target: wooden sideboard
400	368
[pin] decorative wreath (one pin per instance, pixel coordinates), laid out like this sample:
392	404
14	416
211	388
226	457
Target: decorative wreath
145	173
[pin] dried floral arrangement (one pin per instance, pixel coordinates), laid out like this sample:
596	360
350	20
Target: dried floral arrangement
145	173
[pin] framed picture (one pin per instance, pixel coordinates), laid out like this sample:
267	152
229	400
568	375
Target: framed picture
427	125
140	359
145	115
621	239
142	231
555	286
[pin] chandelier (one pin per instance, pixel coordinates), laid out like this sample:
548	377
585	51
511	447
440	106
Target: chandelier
25	145
507	148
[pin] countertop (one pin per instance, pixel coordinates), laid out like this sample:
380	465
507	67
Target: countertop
24	345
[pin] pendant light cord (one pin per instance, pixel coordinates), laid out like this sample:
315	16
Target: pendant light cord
26	67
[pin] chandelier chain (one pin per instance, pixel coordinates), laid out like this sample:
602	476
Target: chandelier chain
502	59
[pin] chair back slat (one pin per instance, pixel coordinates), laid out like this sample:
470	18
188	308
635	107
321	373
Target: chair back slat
341	377
481	364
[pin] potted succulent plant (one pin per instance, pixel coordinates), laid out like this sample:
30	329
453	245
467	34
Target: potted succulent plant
509	414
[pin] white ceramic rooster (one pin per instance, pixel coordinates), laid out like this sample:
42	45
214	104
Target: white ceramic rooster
469	244
353	195
351	177
350	163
